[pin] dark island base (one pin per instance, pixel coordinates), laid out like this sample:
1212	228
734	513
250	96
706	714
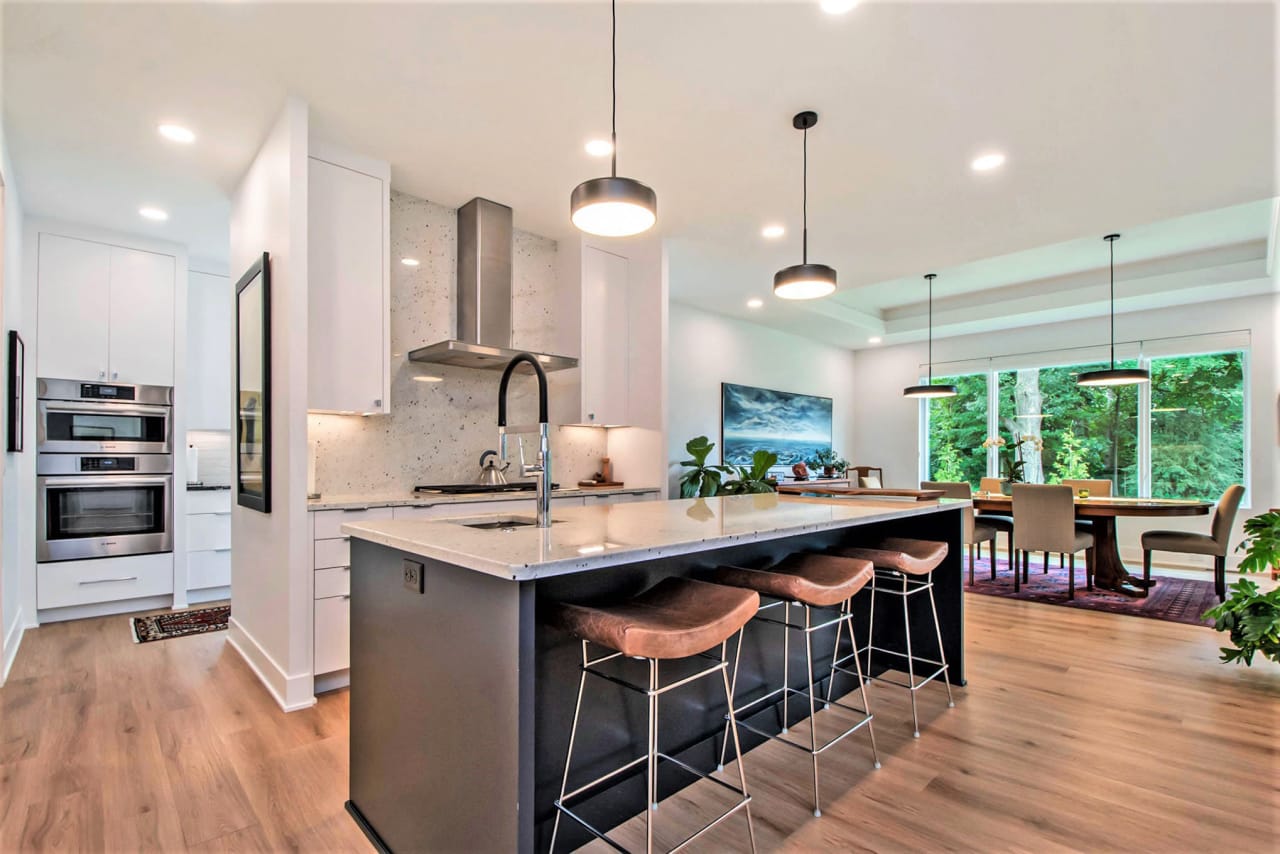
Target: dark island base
462	698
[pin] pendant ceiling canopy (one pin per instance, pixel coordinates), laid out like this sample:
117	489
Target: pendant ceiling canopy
930	390
613	206
1113	376
804	280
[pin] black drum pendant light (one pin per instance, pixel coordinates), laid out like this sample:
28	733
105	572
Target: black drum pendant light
613	206
804	280
930	390
1113	375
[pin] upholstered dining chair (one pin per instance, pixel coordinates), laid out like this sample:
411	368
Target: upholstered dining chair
1045	516
1215	543
974	531
869	482
1002	522
1097	489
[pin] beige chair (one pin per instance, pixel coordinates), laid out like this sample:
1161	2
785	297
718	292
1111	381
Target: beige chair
1097	489
1214	544
974	531
1001	522
1045	517
871	482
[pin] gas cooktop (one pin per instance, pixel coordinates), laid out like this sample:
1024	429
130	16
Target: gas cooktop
468	488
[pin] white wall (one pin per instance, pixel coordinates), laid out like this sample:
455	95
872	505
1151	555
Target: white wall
270	573
708	349
887	426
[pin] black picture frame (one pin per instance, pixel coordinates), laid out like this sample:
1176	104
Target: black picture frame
253	387
16	376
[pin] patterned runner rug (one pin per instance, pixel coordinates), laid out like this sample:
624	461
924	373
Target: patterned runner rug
1178	600
175	625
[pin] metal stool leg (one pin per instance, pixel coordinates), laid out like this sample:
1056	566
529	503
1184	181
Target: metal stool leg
573	733
871	623
813	714
786	660
733	692
651	771
845	610
942	653
733	728
911	661
862	687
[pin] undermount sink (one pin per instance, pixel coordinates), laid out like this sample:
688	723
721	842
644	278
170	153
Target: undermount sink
503	523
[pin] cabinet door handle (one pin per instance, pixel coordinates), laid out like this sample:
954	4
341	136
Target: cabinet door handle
354	509
115	375
109	580
102	375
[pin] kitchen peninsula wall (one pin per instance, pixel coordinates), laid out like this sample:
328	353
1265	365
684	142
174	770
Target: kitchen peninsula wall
443	417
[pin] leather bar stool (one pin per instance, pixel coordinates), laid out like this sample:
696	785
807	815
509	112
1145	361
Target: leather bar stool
904	567
809	581
676	618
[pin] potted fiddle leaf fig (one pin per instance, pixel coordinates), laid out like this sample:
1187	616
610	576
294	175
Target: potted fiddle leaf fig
754	479
1250	617
701	480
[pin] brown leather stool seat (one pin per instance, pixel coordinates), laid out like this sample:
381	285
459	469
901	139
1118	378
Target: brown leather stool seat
819	580
912	557
676	618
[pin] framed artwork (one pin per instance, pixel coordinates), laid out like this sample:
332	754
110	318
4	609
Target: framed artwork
253	387
793	426
17	371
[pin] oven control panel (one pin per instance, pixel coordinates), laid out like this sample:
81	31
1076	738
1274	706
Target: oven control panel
101	391
108	464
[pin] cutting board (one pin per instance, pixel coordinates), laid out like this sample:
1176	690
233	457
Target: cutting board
600	484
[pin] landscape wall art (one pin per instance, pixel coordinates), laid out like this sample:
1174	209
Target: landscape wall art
793	426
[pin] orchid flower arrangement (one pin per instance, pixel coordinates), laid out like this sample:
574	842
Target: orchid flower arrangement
1011	461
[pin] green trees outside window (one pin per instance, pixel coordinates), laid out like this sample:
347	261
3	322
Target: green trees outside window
1196	420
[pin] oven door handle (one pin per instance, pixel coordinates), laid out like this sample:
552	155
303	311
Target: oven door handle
106	479
104	408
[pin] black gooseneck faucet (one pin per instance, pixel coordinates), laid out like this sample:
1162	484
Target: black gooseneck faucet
542	468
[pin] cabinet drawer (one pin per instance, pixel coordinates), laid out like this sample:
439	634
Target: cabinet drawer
523	507
84	582
208	569
208	532
568	501
331	553
329	522
333	582
332	648
209	501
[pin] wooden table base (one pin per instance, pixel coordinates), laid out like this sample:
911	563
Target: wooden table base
1109	572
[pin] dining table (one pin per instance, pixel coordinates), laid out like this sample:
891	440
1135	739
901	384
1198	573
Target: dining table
1109	572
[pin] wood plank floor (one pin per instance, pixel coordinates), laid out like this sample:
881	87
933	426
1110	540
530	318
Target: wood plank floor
1059	743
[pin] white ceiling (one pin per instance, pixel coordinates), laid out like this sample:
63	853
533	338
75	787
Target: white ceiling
1153	119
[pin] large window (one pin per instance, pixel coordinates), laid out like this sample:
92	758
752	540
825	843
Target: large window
1183	436
1197	425
957	429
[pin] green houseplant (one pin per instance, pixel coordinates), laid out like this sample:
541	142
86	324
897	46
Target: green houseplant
754	479
828	460
701	480
1252	618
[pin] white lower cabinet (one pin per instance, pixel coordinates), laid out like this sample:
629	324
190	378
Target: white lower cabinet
333	634
208	539
87	582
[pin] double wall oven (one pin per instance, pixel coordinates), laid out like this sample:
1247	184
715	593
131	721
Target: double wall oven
104	469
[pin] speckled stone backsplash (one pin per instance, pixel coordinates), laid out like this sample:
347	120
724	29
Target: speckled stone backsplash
442	418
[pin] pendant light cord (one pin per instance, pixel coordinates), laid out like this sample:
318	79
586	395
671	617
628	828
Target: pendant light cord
804	202
613	118
930	277
1112	242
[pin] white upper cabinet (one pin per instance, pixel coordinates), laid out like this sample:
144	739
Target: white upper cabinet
141	317
74	284
606	347
209	319
349	284
104	312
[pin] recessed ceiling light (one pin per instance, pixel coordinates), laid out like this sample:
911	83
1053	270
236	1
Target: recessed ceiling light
987	162
773	231
599	147
425	378
837	7
153	214
177	133
754	303
875	339
410	262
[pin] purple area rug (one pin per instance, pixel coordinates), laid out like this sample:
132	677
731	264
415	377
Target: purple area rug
1178	600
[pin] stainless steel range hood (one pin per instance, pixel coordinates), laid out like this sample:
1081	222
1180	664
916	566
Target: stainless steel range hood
483	295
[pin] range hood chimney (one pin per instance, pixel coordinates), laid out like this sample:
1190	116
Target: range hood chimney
483	295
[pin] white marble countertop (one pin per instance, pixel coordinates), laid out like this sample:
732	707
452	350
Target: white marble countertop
430	499
585	538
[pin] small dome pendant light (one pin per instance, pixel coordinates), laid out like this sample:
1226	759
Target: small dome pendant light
930	390
1113	376
804	280
613	206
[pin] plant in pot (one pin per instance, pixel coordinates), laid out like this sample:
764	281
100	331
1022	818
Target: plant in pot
829	461
754	479
701	480
1252	618
1012	465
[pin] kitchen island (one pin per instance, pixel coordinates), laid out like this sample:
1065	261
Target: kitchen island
462	694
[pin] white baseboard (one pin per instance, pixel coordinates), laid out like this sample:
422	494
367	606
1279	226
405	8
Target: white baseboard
104	609
12	640
209	594
291	693
332	681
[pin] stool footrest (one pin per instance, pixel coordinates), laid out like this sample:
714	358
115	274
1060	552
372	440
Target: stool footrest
942	668
742	715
